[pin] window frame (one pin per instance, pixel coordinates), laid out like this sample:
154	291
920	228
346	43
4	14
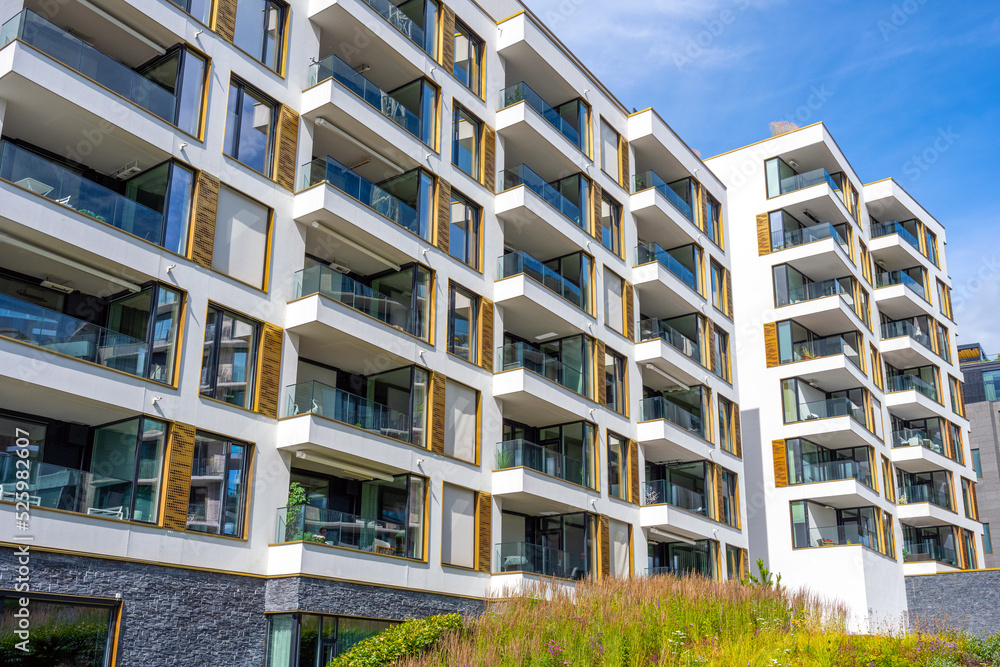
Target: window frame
241	87
474	252
624	482
460	112
249	454
477	49
615	209
284	10
620	365
474	306
617	175
252	359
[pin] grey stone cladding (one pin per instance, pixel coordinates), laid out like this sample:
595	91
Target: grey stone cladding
967	601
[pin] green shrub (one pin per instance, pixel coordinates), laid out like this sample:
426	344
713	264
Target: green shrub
399	641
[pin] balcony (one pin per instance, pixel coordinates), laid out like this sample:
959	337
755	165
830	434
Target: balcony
537	388
906	344
832	422
421	35
522	453
913	437
536	214
834	535
910	396
656	328
652	252
899	295
320	399
880	229
575	292
669	432
808	179
922	552
913	494
528	558
664	347
305	523
522	175
663	491
658	407
678	193
320	279
782	240
521	92
534	132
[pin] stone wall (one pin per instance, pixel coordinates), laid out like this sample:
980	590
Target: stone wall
968	601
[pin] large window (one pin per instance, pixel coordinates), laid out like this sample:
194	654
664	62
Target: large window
609	151
468	58
955	391
611	225
200	9
727	417
181	72
251	120
62	632
719	298
304	640
463	310
614	311
229	358
720	353
241	232
458	526
729	503
987	540
167	189
977	464
615	381
466	141
260	26
618	483
713	219
461	421
219	472
463	236
152	315
620	538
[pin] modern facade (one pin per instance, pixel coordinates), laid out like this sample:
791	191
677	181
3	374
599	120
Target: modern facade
982	404
319	315
857	445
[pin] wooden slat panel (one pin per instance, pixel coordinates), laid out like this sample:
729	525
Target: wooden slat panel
443	215
484	517
780	463
438	387
605	522
596	197
738	429
623	158
599	374
975	500
178	483
771	344
447	38
633	472
763	235
486	334
719	493
287	147
489	157
710	342
206	209
629	311
269	376
225	19
729	294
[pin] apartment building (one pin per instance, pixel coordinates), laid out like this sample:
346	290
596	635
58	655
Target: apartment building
857	462
982	380
316	316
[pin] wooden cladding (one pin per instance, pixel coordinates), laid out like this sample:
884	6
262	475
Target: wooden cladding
484	536
720	494
489	157
486	334
206	209
602	386
269	376
629	311
443	235
763	234
438	386
605	528
596	199
738	432
177	488
729	294
447	38
286	148
633	472
225	19
780	463
710	337
623	169
771	344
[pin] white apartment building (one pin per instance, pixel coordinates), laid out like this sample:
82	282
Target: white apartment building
413	260
856	441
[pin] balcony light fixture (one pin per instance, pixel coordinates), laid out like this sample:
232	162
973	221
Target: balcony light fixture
670	377
23	245
546	336
362	68
344	467
357	246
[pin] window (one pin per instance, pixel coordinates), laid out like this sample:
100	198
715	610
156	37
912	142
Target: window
876	366
614	312
944	299
957	402
126	466
609	151
957	446
466	141
735	565
229	358
621	543
720	353
461	405
219	472
713	219
468	58
969	540
991	385
611	224
977	464
260	26
302	640
63	632
942	341
458	526
156	312
614	373
618	484
931	241
730	504
719	298
866	262
200	9
241	231
987	540
251	119
166	189
727	418
463	311
463	236
969	499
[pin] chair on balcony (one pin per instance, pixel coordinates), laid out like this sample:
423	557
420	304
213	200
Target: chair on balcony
10	495
108	512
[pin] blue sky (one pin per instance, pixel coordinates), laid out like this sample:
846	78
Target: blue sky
888	79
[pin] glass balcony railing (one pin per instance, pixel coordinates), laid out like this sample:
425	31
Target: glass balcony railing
517	453
661	571
323	280
829	471
831	407
908	382
808	179
335	68
817	290
521	92
520	262
915	552
535	559
905	328
57	332
305	523
652	252
911	437
825	347
69	489
339	405
522	355
825	536
52	181
781	240
923	493
654	328
892	227
662	491
77	55
522	175
649	179
890	278
352	184
408	27
657	407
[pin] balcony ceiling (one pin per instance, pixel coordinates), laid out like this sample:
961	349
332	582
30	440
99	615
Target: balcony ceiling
812	157
888	208
28	398
523	63
320	343
650	154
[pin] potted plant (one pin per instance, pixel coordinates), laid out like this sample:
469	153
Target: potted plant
295	512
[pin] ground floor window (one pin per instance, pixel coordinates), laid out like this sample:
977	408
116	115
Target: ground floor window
62	633
312	640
